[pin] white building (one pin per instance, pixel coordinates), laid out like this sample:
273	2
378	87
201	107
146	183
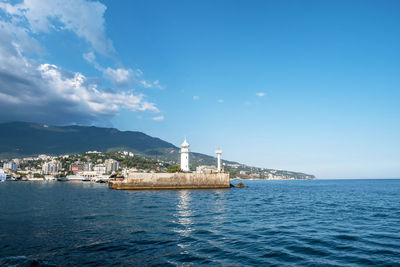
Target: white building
88	174
18	161
88	166
2	175
111	165
128	154
46	168
11	165
185	156
43	157
99	168
93	152
51	167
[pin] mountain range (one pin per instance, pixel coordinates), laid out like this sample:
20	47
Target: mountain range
23	139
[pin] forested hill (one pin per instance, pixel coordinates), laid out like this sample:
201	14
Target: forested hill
22	139
25	139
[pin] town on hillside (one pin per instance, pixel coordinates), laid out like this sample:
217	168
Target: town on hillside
97	166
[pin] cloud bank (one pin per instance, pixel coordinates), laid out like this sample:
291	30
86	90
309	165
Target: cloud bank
39	91
84	18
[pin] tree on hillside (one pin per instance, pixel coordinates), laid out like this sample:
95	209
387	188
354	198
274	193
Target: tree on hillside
174	168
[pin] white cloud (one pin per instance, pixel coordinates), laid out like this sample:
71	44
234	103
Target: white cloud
51	94
31	91
91	58
119	77
260	94
74	86
196	97
46	93
220	101
155	84
158	118
84	18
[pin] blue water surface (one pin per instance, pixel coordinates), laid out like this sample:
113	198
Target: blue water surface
309	223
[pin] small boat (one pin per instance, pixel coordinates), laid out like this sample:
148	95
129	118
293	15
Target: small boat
62	179
49	178
76	178
102	179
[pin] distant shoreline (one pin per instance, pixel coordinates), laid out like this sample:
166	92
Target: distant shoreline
324	179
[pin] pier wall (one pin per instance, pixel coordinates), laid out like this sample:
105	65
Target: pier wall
138	181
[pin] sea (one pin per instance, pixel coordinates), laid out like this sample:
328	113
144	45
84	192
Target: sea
269	223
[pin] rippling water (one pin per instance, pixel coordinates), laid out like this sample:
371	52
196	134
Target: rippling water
323	222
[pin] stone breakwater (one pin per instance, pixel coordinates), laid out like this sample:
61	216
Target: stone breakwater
141	181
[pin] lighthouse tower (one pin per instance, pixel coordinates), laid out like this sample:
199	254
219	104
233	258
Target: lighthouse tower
185	156
219	166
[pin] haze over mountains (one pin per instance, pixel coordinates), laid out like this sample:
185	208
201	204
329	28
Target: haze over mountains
22	139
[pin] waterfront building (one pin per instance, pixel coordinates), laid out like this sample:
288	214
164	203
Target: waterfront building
11	165
185	156
2	175
111	165
99	168
51	167
91	175
88	166
77	167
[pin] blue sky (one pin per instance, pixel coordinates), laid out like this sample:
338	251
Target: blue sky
311	86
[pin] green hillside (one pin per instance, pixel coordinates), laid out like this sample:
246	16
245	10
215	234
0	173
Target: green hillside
23	139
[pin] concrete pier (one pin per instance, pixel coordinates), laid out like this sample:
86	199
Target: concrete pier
141	181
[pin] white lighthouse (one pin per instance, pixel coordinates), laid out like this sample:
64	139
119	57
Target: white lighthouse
185	156
219	152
